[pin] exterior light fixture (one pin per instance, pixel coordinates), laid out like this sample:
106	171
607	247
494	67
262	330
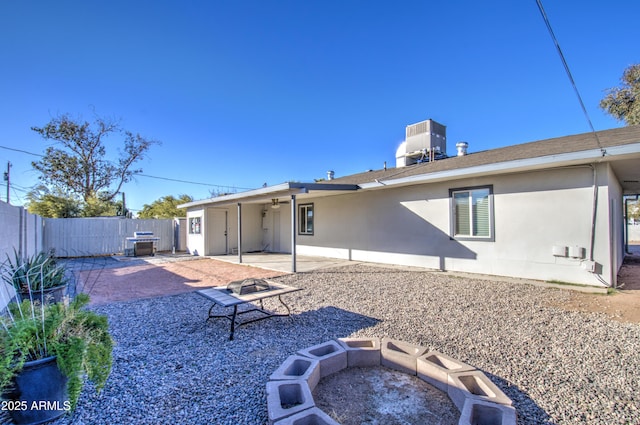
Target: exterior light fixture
275	204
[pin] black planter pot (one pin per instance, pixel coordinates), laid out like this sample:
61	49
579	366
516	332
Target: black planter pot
51	295
39	393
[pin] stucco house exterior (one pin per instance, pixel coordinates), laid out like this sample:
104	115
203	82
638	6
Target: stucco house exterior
544	210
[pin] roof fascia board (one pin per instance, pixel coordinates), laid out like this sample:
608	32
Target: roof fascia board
290	188
592	155
325	186
628	149
283	187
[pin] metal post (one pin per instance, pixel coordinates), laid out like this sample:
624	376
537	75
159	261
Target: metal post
239	233
7	178
626	225
293	233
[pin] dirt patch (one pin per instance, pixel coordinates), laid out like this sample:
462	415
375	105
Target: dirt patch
154	280
381	396
623	304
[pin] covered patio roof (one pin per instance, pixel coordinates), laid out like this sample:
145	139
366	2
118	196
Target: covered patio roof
290	191
280	191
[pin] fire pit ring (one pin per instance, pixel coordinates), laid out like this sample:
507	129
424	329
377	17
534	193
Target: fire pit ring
289	390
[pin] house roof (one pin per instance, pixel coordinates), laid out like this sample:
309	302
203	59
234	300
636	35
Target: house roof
620	146
549	148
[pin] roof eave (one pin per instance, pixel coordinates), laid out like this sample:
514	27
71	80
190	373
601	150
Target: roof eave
519	165
269	192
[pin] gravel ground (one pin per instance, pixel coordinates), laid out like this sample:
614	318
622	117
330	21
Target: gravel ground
559	367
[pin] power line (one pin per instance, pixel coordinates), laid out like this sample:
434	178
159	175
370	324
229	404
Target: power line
568	72
22	151
143	175
190	182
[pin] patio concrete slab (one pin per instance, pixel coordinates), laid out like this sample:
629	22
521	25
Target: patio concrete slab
283	262
120	278
116	281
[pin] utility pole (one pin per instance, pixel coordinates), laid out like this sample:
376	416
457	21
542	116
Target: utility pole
7	178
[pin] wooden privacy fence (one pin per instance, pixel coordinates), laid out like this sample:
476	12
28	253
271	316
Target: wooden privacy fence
80	237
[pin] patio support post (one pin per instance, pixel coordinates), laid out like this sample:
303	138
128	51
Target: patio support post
239	233
293	233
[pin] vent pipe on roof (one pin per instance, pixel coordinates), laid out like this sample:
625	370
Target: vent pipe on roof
462	148
330	175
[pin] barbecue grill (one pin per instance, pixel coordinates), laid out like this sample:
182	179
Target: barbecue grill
144	243
248	286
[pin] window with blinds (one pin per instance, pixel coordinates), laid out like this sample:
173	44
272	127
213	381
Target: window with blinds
472	213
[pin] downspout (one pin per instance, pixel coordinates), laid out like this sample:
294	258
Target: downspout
613	271
594	213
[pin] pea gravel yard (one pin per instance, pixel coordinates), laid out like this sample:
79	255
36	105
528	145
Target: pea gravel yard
558	366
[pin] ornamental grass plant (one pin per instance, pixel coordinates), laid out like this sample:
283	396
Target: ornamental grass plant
32	329
35	273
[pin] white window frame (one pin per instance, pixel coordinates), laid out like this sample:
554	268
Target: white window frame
303	226
195	225
469	191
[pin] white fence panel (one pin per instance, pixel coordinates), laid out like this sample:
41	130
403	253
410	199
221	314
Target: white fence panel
78	237
19	231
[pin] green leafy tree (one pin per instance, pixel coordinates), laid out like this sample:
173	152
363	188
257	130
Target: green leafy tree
43	202
623	103
96	207
165	207
78	166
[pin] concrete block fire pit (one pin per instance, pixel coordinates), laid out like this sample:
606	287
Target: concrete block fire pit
435	367
313	416
474	385
400	355
289	391
331	355
298	367
361	352
484	412
285	398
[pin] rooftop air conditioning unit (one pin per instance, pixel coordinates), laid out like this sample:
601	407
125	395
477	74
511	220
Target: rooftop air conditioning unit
424	141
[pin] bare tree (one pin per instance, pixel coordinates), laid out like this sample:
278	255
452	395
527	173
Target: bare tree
78	163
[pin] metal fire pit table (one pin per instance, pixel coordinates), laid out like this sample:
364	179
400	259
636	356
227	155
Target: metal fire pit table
224	297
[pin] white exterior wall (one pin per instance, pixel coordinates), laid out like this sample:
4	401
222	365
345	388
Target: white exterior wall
213	241
195	241
533	212
276	228
252	233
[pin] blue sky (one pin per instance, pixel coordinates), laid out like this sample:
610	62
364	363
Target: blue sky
242	93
